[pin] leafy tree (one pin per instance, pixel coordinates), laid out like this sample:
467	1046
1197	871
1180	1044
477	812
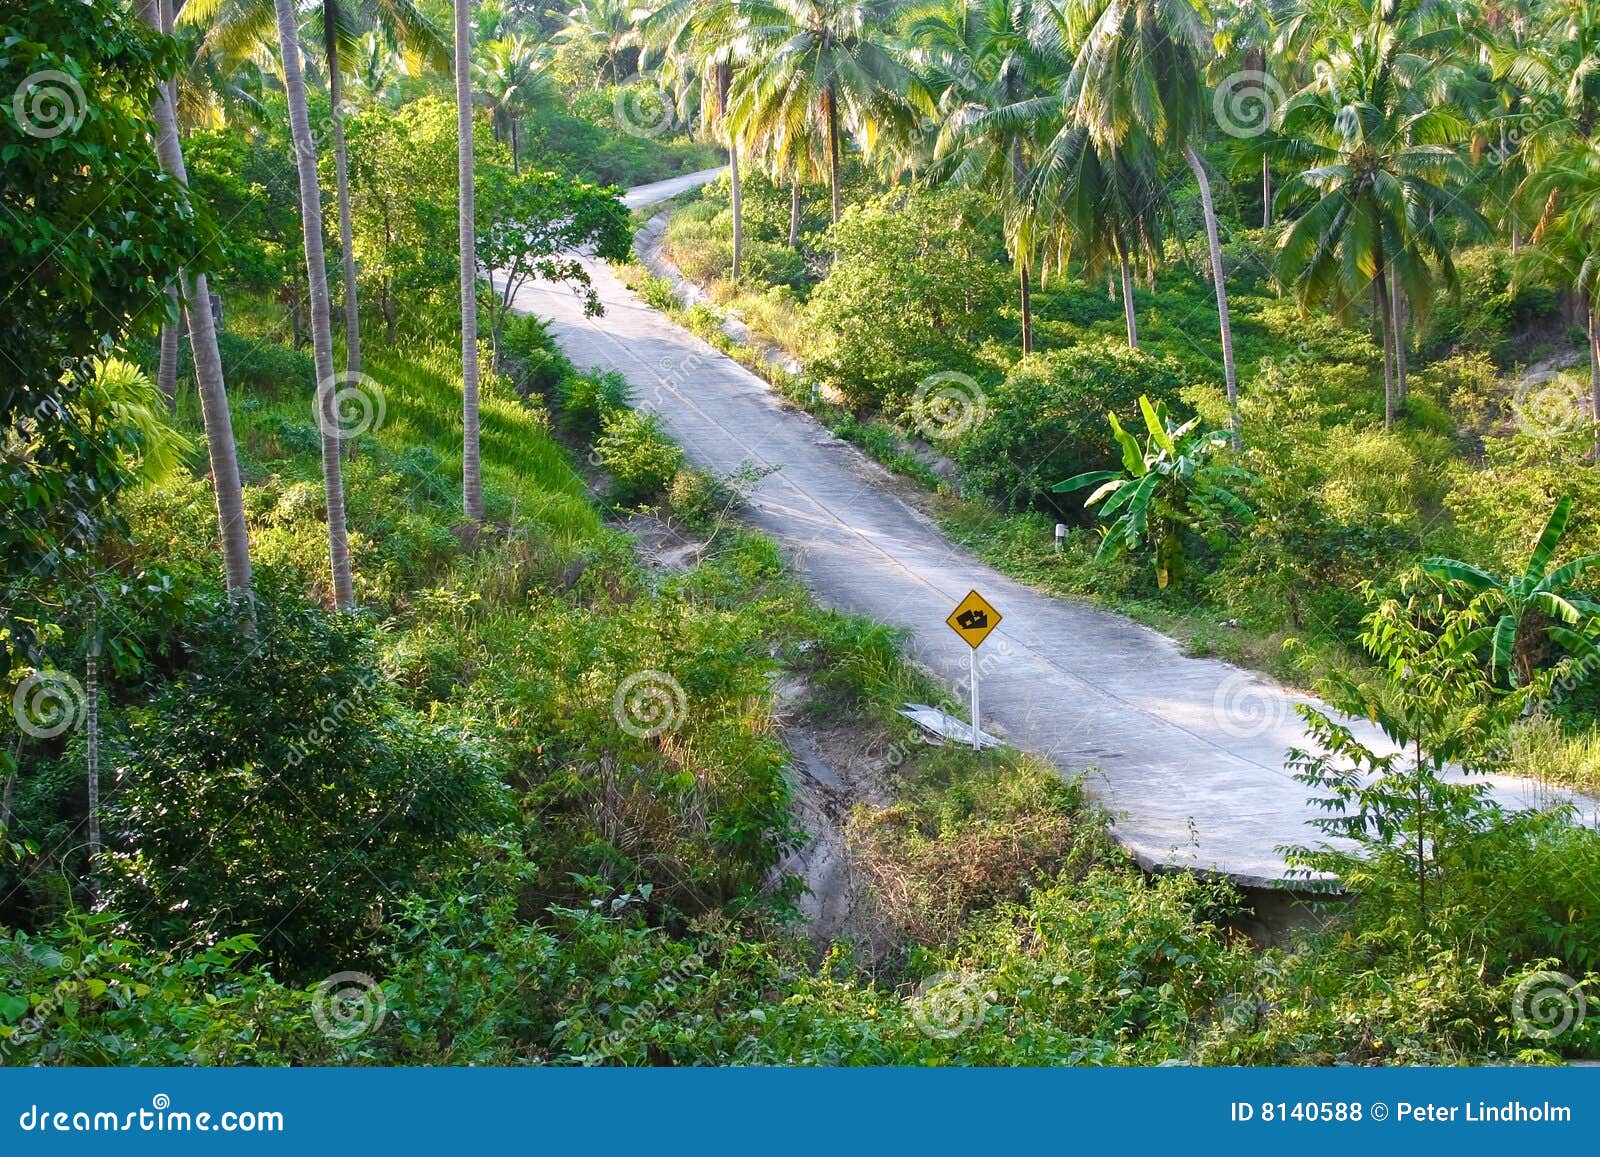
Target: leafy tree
1165	487
913	284
403	185
88	225
1432	702
318	795
1526	610
532	224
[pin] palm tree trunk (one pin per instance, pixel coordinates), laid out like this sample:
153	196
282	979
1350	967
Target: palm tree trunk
1399	296
736	197
1266	191
167	365
471	463
1026	295
305	149
1594	367
1219	282
1128	313
830	113
214	412
91	689
516	159
1385	312
794	213
341	178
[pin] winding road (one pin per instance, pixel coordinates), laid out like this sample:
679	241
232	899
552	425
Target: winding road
1187	754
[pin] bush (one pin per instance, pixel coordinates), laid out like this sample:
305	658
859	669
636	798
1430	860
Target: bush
585	399
536	364
1047	421
913	291
280	788
639	457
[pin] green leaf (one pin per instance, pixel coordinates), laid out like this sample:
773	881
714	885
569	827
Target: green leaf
1132	456
1079	481
1157	426
1549	537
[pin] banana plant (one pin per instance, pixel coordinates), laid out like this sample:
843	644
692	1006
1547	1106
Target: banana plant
1537	604
1166	486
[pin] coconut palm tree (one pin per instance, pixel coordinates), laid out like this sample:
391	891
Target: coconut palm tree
992	65
214	409
697	43
305	150
238	27
471	463
1566	241
824	62
1101	208
1139	73
609	26
1377	161
509	76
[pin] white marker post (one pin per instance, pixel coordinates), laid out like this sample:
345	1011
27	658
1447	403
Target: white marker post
972	673
973	619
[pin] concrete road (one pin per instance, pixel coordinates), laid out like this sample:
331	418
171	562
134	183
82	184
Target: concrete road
1187	754
641	195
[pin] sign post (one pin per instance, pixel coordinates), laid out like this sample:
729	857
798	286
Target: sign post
973	619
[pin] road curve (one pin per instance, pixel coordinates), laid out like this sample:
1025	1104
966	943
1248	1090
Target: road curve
1187	754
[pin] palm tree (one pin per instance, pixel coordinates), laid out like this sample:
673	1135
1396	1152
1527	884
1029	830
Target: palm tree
214	409
509	76
471	464
1567	240
1377	157
698	40
826	62
237	27
1101	207
992	64
608	25
1139	74
305	150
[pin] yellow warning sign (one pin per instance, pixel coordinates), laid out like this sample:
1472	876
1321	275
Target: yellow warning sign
973	619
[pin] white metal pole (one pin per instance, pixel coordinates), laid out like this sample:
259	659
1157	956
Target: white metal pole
972	672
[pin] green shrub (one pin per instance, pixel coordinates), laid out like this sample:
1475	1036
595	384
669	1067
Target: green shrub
639	457
536	363
584	399
1047	421
279	788
913	290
